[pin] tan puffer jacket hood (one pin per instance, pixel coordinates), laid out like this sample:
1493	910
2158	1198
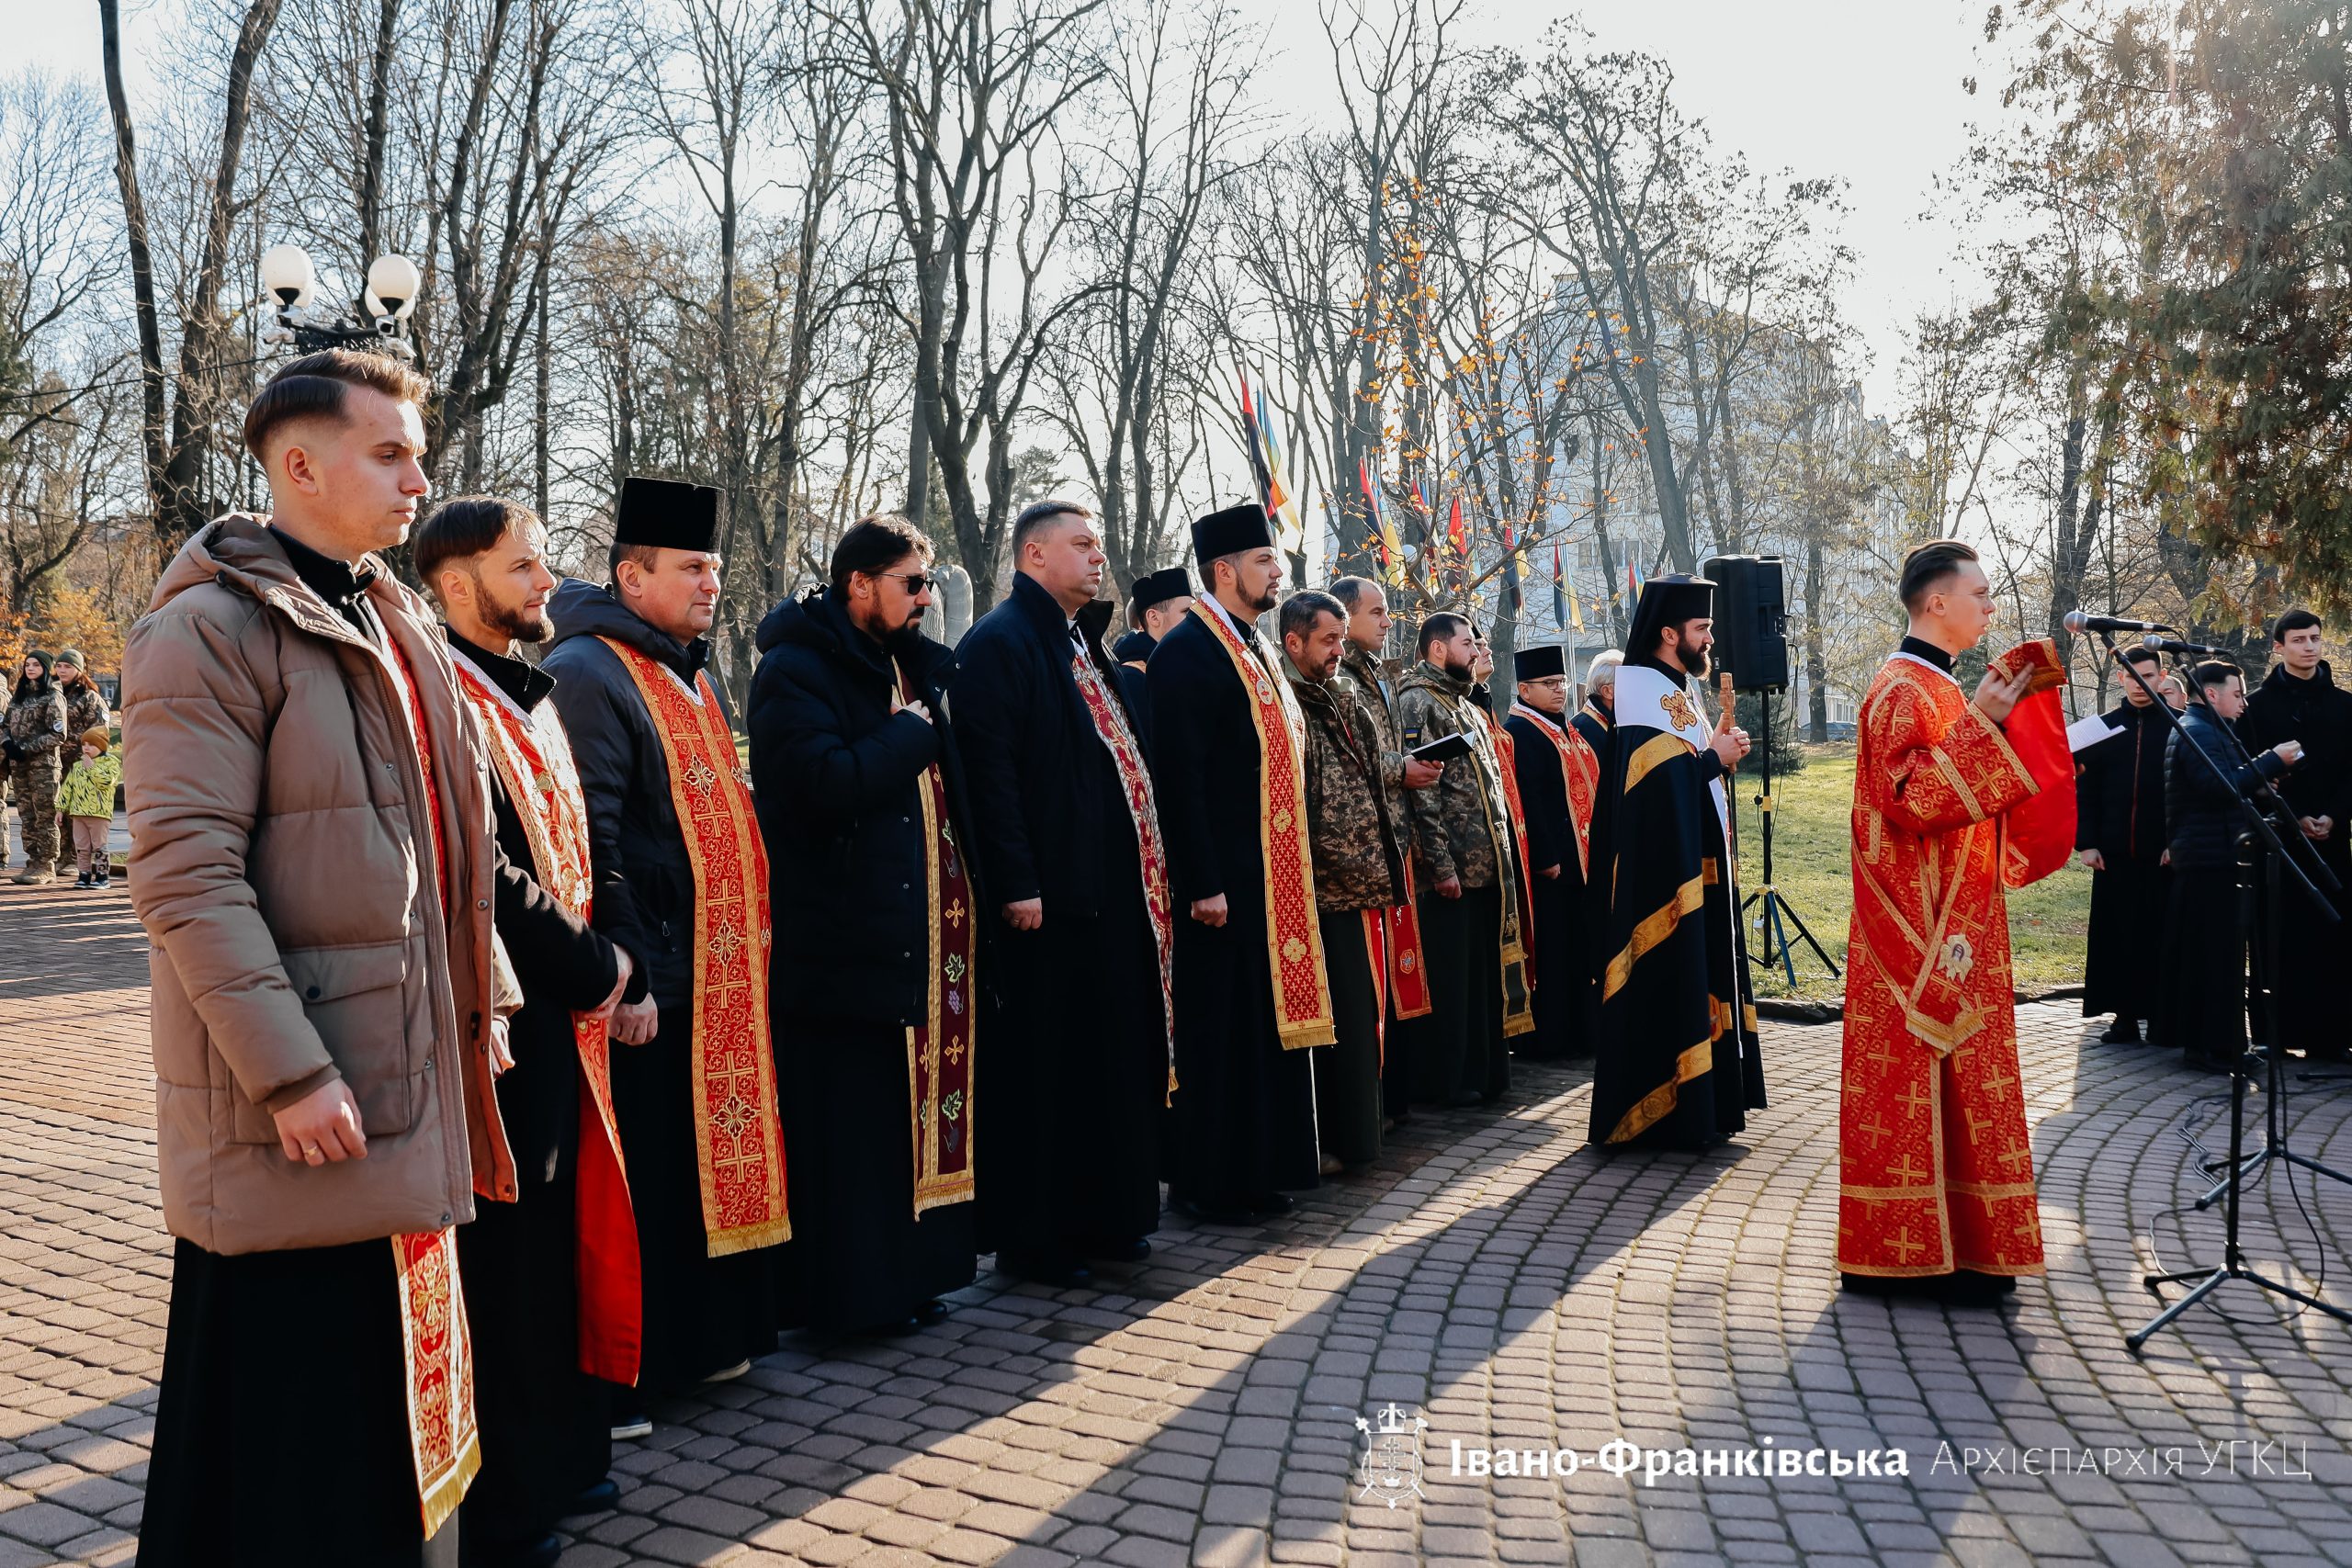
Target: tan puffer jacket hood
282	863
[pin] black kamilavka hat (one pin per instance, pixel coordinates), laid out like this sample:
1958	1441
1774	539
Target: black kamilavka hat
1159	587
1667	602
1540	662
1236	528
666	514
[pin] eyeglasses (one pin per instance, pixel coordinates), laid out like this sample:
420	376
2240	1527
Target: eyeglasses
915	581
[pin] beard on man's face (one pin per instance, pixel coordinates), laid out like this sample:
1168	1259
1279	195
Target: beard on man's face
1460	668
516	624
1694	660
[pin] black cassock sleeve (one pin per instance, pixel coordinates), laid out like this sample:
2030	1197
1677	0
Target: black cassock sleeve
605	743
1181	693
994	700
558	957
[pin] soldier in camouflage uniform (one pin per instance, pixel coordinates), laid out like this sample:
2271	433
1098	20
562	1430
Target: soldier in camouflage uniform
1463	872
85	709
31	736
1358	868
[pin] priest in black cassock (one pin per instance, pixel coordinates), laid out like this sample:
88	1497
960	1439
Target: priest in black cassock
1080	932
1677	1065
1559	773
2119	835
860	800
1157	603
630	687
1596	722
1251	993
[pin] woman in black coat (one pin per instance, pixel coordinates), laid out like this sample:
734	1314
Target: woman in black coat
836	766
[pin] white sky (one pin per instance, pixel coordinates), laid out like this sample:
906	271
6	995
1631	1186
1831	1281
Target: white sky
1868	91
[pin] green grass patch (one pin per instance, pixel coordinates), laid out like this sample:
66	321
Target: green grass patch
2048	922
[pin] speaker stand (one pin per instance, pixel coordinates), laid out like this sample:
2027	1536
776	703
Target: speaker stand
1776	914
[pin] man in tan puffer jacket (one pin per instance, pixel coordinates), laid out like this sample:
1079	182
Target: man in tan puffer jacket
311	857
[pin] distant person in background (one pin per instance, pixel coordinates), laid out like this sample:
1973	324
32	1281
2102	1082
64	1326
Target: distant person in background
33	739
85	709
85	800
1159	601
2200	1005
1559	778
2119	835
2300	701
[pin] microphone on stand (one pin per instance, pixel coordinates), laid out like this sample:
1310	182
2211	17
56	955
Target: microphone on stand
2196	649
2078	622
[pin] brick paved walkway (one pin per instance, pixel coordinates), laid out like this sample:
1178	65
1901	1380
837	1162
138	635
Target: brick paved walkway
1512	1286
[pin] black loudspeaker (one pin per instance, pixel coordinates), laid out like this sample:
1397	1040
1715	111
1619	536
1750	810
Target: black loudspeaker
1751	620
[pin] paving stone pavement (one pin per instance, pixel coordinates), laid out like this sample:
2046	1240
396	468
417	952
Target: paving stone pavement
1492	1275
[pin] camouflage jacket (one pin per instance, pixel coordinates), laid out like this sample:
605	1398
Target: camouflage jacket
36	727
1358	861
85	709
1462	823
1365	671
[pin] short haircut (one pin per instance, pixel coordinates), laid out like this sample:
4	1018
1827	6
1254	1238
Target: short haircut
2294	620
1926	568
319	386
2142	655
1439	627
1304	608
1232	558
2216	672
463	527
646	555
870	544
1039	515
1602	670
1349	591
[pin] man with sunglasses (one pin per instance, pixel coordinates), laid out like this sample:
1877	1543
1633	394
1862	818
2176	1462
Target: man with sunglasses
878	916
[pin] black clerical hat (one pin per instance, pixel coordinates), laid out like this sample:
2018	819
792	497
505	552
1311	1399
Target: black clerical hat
1667	602
1540	662
1159	587
1235	529
666	514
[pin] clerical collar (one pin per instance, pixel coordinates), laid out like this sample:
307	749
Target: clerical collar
523	682
1921	649
337	582
1245	633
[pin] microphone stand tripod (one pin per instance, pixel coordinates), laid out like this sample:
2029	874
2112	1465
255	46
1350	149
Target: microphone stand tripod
2204	1282
1773	921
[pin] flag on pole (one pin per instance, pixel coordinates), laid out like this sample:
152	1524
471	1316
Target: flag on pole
1576	609
1559	591
1266	462
1383	533
1632	585
1513	599
1456	539
1429	542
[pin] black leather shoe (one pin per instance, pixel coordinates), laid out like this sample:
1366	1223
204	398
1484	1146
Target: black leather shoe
1134	1249
2122	1032
539	1553
1462	1099
1272	1203
1217	1211
930	1313
601	1498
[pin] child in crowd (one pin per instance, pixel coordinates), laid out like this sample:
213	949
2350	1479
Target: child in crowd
86	798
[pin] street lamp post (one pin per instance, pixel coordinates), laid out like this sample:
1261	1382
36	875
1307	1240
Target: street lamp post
391	300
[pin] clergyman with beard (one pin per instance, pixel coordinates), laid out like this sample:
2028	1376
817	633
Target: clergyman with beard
1252	994
1676	1065
1465	866
878	906
550	1276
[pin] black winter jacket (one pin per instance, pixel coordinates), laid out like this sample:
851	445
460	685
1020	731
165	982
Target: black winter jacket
1043	788
835	773
2318	713
2200	806
645	882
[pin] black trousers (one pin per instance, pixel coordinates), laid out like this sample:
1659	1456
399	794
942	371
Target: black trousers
2126	901
1347	1072
2200	1001
281	1428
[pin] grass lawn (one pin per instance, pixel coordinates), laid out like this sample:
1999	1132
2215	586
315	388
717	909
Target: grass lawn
2048	922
